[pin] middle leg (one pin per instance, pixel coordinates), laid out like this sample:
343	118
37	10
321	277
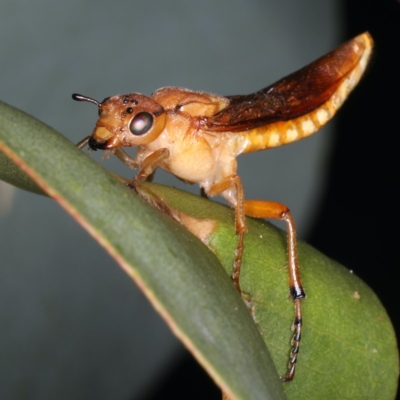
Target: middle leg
234	182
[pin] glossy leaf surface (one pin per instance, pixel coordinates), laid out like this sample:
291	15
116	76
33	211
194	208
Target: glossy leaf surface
348	348
180	276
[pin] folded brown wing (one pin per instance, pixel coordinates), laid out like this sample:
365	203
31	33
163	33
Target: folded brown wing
293	96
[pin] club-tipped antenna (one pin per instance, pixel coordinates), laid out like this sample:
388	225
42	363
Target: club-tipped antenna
80	97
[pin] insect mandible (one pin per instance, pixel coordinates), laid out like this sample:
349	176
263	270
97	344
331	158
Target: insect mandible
197	137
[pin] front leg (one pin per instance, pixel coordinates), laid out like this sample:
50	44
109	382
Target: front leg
149	164
121	154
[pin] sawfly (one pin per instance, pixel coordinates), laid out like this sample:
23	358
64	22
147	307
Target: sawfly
197	137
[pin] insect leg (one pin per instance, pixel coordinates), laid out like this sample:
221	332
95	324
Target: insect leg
149	164
272	210
123	156
230	182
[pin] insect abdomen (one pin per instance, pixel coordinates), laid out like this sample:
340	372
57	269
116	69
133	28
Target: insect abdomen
283	132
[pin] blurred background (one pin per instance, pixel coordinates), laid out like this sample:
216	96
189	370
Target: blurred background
73	325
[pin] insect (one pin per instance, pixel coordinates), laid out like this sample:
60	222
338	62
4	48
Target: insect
197	136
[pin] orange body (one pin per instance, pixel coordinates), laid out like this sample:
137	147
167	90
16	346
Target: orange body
197	136
204	133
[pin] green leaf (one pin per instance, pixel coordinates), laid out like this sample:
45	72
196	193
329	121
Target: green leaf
183	280
348	349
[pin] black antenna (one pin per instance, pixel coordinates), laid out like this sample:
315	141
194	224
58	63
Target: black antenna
79	97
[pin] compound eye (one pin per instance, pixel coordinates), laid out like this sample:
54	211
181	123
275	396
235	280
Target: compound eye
141	123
